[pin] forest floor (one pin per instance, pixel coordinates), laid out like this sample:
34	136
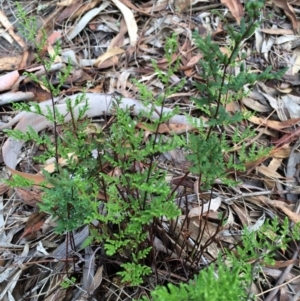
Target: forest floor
109	43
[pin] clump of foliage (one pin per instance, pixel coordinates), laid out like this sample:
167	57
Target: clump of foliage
118	164
232	280
219	87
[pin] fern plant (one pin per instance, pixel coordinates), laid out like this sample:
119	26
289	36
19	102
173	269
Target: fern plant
218	88
222	284
115	163
139	194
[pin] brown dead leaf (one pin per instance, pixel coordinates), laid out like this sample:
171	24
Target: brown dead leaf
61	161
295	68
289	11
53	38
277	31
194	60
192	229
97	279
272	167
111	53
85	19
268	172
208	229
130	21
241	213
226	51
129	4
38	93
48	24
118	40
70	11
78	76
150	7
102	197
36	178
294	217
4	34
9	27
29	197
276	125
181	180
282	152
236	8
219	30
255	105
3	188
280	263
213	205
275	164
294	80
52	53
85	7
287	90
34	223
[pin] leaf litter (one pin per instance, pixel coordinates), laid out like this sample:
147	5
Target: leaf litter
108	44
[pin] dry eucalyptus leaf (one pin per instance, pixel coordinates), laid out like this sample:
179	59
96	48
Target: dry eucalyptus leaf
97	279
273	124
86	19
294	217
111	53
277	31
292	107
268	172
34	223
289	11
267	45
208	229
130	21
255	105
213	205
236	8
29	197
